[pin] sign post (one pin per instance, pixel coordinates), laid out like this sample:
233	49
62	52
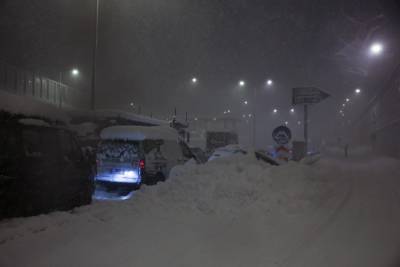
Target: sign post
282	136
305	123
307	96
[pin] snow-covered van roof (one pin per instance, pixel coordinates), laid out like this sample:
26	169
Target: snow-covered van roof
109	113
139	133
30	107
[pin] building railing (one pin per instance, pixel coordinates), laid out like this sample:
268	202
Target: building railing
30	83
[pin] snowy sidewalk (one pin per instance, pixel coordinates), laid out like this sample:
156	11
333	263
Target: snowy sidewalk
231	212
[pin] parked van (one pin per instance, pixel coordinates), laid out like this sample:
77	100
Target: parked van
41	167
139	154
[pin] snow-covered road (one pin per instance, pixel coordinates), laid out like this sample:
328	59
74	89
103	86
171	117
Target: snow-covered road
228	213
364	230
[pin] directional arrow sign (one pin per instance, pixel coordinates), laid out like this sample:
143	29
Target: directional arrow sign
308	95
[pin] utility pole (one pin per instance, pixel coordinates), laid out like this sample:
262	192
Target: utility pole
59	89
306	126
254	118
94	60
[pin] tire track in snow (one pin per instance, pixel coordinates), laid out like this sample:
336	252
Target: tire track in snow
313	234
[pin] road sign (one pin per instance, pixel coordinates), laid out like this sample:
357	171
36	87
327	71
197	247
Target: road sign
282	135
308	95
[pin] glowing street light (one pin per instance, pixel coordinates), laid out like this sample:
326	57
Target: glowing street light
242	83
376	49
357	91
250	115
347	99
292	110
75	72
343	105
269	82
245	102
286	123
275	110
194	80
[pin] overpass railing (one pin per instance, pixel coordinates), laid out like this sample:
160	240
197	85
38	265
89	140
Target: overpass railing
30	83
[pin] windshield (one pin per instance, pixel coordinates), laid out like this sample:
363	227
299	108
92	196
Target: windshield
119	151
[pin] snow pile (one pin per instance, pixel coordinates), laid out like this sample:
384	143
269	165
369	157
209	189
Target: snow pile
84	129
34	122
233	185
30	107
106	113
202	216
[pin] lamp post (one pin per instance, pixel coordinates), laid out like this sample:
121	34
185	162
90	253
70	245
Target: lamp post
94	60
61	89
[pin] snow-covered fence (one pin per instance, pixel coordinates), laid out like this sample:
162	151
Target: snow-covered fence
30	83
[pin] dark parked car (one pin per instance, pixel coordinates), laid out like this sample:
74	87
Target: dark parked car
42	168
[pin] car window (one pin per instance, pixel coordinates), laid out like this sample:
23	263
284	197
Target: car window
149	145
118	151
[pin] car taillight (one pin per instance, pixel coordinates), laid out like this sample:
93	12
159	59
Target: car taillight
141	164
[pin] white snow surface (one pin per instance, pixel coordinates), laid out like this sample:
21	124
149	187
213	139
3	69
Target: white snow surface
139	133
84	129
234	211
34	122
30	107
112	113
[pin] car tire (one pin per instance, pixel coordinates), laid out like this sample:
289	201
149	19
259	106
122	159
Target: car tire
160	177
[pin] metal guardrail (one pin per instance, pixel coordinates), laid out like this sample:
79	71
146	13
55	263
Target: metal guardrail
30	83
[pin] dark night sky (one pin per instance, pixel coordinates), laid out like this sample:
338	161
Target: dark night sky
150	49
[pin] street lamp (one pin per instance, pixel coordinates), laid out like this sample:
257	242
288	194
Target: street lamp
94	59
245	102
75	72
376	49
275	111
347	99
194	80
292	110
269	82
357	91
242	83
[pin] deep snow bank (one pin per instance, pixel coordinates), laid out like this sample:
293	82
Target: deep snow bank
227	187
236	184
